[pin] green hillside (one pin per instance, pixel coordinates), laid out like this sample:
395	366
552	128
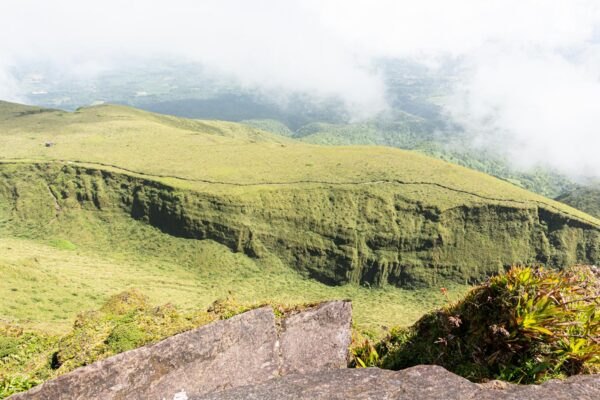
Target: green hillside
110	197
198	153
406	131
586	199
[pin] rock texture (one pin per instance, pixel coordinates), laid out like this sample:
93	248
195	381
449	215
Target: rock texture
423	382
247	349
321	328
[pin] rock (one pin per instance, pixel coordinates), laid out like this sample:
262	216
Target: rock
369	383
580	387
220	355
302	356
424	382
325	330
245	349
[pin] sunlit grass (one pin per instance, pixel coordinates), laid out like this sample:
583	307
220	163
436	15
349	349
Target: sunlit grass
46	287
218	151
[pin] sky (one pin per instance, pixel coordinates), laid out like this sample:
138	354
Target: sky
530	70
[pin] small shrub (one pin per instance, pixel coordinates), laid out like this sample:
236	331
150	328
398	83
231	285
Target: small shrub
228	307
14	384
125	337
364	355
23	358
125	302
525	326
8	346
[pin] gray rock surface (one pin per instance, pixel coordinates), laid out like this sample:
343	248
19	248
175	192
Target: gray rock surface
246	349
370	383
582	387
417	383
325	330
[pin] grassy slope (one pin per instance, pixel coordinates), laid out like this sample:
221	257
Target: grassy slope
586	199
217	151
191	273
409	132
51	272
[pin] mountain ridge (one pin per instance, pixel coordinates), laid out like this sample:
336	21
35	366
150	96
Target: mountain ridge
350	214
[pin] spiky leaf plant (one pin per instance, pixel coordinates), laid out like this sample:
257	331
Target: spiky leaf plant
527	325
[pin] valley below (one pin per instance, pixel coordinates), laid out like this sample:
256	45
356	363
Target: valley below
230	201
109	199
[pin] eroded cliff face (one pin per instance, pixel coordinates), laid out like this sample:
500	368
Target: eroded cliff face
369	234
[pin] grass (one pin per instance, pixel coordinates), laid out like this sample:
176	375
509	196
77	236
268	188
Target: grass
338	214
407	132
220	151
274	207
586	199
45	286
351	214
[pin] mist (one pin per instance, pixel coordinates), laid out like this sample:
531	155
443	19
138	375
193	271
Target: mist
529	70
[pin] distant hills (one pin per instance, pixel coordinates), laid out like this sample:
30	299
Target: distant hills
415	120
105	197
586	199
409	132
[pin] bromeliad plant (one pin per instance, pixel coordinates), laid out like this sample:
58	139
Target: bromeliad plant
364	355
527	325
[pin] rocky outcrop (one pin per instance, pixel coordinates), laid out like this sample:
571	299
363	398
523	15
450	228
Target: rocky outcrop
424	382
255	356
246	349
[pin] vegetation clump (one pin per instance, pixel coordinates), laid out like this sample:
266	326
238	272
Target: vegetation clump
525	326
125	322
22	353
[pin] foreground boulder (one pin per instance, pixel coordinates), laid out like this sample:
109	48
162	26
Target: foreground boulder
316	339
424	382
246	349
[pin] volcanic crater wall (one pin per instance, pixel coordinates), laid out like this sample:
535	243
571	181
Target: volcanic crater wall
367	234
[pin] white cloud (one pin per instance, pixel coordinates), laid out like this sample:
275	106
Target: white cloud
541	108
278	45
9	87
530	67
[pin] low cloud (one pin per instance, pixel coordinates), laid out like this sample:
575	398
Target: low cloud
539	109
529	80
